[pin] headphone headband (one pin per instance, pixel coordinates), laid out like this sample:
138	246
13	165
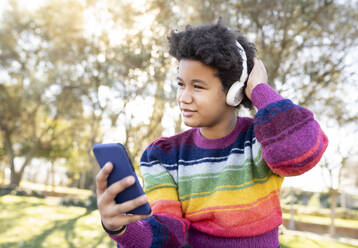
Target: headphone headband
235	93
243	76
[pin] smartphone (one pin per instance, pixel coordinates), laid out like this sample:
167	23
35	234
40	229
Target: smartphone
122	167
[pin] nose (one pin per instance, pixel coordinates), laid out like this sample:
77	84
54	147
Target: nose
184	95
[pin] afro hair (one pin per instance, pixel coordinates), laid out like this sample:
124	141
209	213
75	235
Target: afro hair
215	46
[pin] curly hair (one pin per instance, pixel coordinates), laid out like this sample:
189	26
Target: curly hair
215	46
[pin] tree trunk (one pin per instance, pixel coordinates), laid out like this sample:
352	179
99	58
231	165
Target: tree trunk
16	176
291	224
94	169
2	173
333	197
15	179
343	199
52	172
83	179
48	175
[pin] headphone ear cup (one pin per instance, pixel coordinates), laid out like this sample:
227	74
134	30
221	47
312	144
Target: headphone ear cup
235	94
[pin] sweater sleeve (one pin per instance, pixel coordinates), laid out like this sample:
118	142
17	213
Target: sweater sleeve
292	141
166	227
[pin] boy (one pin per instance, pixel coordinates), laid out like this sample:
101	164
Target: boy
218	183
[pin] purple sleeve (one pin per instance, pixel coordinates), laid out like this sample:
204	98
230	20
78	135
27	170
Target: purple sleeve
136	234
155	231
292	141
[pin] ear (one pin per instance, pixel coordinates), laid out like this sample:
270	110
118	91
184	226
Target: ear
235	94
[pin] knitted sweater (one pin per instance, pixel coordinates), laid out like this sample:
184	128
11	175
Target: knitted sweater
226	192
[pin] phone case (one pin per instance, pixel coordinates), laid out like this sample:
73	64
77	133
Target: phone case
122	167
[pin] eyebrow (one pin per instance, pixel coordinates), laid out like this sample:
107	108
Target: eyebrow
194	80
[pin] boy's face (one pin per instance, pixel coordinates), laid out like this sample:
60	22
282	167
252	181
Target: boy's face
200	95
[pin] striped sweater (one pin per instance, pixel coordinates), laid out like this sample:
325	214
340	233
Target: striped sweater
225	192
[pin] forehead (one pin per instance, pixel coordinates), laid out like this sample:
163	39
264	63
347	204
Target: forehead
190	68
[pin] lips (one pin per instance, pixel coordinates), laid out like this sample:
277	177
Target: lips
187	112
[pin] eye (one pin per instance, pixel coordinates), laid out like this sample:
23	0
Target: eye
180	84
198	87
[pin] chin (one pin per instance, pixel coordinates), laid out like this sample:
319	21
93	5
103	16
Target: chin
190	123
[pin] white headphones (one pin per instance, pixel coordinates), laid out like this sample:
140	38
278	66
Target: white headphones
235	94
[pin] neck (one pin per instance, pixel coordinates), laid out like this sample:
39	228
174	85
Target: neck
220	129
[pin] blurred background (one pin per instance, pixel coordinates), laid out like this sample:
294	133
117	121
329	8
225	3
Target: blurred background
78	72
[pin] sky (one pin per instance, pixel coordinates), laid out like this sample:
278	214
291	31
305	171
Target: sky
313	180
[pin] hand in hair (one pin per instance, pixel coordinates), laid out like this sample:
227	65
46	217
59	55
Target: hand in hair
257	76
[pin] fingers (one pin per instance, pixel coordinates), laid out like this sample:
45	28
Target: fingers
115	217
101	178
116	222
258	65
259	61
132	204
112	213
258	73
113	190
261	65
257	76
128	219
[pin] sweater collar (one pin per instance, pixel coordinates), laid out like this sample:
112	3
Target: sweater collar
219	143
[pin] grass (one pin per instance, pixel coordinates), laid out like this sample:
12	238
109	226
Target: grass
323	220
295	241
34	223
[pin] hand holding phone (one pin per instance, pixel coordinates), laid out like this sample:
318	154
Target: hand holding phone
117	203
122	167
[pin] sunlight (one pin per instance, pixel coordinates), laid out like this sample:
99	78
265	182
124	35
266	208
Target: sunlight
98	21
31	5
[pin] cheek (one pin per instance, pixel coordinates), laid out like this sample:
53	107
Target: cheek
215	102
217	98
